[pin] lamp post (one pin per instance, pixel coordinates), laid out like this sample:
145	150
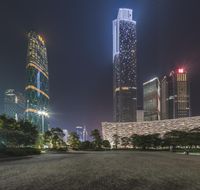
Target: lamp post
43	114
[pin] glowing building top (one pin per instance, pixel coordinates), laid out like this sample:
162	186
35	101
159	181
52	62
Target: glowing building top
125	14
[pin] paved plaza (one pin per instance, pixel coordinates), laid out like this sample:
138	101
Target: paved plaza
111	170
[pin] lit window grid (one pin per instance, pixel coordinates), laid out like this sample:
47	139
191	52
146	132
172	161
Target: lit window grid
37	89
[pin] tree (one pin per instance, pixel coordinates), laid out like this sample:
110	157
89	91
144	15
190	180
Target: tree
73	141
97	140
135	140
17	134
86	145
48	138
40	141
146	141
30	130
54	138
125	141
116	140
106	144
175	138
155	140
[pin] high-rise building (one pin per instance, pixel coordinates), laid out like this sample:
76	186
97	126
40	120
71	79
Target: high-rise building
179	94
14	104
79	131
37	87
124	67
175	95
85	134
66	135
82	133
164	94
151	95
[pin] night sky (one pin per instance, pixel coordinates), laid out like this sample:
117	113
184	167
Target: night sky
78	34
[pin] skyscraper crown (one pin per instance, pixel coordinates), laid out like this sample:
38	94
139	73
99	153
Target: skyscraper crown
125	14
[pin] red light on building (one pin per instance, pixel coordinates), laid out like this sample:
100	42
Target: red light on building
181	70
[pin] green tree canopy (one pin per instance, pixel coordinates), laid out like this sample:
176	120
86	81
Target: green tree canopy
106	144
73	141
125	141
97	140
116	140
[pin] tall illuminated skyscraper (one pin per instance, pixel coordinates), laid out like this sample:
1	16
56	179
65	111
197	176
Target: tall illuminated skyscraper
37	87
124	67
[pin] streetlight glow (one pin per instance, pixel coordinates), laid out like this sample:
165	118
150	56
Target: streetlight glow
43	113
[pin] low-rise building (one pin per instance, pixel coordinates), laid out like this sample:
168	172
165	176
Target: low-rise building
109	129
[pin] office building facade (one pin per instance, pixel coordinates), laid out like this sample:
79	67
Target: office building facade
14	104
175	95
179	94
151	98
124	67
164	95
82	133
37	87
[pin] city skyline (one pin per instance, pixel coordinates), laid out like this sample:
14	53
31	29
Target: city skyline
81	80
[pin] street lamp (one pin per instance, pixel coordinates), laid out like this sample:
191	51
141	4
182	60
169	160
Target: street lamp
43	114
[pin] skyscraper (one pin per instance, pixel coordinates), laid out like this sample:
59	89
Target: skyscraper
82	133
14	104
66	135
85	134
164	94
175	95
79	131
124	67
179	94
151	90
37	87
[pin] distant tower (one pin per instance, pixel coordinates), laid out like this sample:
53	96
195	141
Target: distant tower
164	94
37	87
79	131
85	134
14	104
124	67
179	94
66	135
151	91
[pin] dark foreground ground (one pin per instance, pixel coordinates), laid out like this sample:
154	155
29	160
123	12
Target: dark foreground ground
102	170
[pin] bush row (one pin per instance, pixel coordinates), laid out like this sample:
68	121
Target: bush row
22	151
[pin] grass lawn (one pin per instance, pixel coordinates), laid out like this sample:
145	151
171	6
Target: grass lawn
112	170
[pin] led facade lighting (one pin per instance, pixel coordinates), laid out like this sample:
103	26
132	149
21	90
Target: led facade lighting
37	87
124	67
181	70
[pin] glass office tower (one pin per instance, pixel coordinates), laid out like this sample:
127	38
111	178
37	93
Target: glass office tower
37	87
151	95
14	104
179	94
175	95
164	95
124	67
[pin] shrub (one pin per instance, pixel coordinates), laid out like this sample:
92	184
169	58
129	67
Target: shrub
22	151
